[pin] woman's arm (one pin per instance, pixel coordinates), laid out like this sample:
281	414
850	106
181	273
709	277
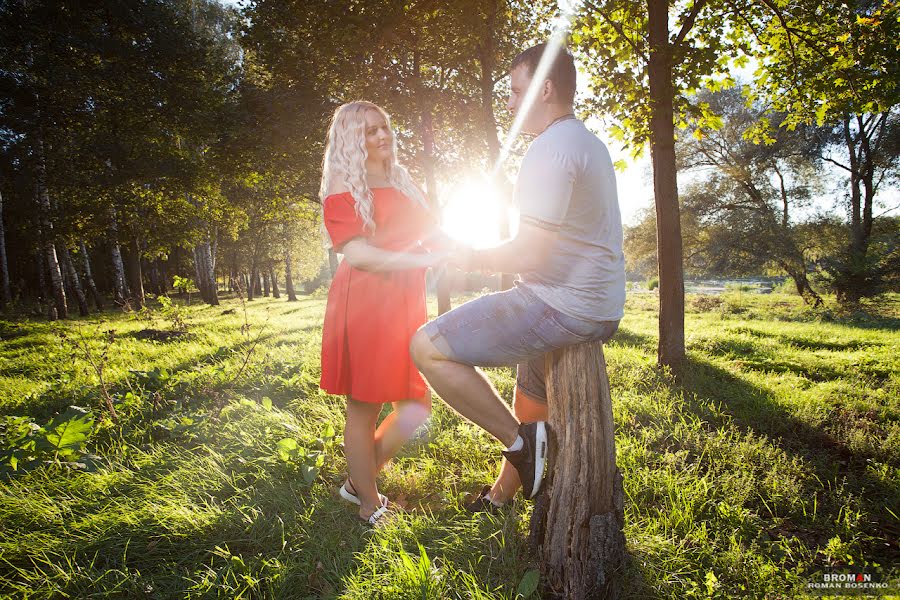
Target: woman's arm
362	255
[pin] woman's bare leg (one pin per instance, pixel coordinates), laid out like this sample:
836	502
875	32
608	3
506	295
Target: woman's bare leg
398	427
359	450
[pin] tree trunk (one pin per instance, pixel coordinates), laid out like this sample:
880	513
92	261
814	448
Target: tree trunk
670	352
136	274
274	280
210	266
50	259
89	278
205	271
5	290
199	272
801	282
579	519
75	282
288	277
121	293
45	295
267	290
163	275
253	282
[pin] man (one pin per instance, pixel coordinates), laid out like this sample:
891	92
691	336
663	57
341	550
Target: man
568	252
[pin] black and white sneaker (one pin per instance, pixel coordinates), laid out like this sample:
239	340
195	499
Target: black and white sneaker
531	458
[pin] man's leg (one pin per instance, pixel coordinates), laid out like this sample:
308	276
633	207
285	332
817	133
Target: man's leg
465	389
526	410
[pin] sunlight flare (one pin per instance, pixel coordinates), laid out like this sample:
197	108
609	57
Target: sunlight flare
473	213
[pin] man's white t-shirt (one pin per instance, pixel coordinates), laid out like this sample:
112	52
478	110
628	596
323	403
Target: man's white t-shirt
567	183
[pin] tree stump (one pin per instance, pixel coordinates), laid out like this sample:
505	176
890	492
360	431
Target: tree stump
577	522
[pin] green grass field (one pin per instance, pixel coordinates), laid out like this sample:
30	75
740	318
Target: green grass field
776	458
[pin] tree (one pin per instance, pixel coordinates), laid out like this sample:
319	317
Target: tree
835	64
642	75
763	184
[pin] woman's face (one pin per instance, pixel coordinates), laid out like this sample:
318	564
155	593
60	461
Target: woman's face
378	136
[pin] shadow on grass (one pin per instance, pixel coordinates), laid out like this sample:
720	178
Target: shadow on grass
754	410
627	337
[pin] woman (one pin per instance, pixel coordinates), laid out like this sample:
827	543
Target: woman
377	218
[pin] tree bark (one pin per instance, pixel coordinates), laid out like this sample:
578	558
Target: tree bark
135	273
205	271
288	276
210	266
578	521
89	278
49	248
670	352
45	294
267	290
5	290
75	282
274	280
121	293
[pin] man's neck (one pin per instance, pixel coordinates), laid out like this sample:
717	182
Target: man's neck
555	113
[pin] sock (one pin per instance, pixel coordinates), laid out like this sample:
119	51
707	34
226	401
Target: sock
516	445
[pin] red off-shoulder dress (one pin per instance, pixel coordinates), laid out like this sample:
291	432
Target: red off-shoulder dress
371	316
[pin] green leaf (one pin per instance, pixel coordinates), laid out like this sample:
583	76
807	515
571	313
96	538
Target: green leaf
267	403
309	473
329	432
529	583
287	449
65	434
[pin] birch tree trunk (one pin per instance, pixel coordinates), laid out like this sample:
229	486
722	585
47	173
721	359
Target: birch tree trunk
121	293
74	282
89	278
49	248
45	293
5	290
209	264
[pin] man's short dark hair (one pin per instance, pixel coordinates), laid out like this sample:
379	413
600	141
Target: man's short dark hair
561	73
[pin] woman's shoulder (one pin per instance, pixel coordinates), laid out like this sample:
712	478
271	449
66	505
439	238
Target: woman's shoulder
337	193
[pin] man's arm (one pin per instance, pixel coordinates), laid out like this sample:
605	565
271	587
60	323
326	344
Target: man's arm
526	252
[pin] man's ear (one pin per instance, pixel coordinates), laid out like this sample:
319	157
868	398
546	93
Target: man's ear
547	91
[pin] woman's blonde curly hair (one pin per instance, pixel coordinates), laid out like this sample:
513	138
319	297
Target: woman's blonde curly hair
344	164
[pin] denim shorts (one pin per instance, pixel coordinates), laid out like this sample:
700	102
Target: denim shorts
512	328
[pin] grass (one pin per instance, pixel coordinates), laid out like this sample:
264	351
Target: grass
776	458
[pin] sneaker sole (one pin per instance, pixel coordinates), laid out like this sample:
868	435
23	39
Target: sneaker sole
540	457
342	491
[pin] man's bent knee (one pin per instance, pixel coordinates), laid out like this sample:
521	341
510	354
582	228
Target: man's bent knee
422	349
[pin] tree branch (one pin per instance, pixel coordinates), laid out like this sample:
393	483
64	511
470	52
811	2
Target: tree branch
689	21
616	26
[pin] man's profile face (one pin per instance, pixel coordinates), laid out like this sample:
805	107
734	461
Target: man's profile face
519	80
